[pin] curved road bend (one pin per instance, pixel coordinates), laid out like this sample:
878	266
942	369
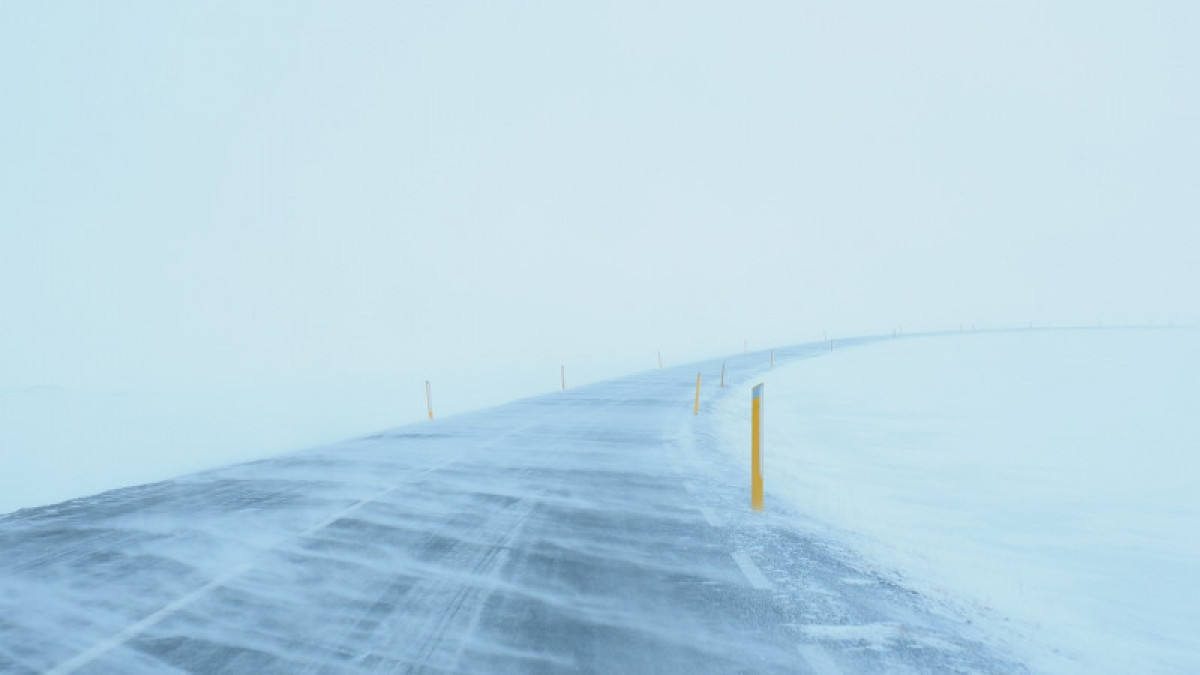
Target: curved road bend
593	530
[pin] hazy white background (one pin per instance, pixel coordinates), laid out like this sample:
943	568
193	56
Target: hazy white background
281	218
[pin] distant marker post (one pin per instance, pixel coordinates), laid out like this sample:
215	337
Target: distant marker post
756	482
696	406
429	398
660	358
722	373
563	373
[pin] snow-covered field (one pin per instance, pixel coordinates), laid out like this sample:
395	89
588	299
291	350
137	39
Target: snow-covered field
61	443
1044	482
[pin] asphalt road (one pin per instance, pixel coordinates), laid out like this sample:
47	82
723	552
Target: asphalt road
593	530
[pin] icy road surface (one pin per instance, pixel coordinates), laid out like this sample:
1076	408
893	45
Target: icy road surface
596	530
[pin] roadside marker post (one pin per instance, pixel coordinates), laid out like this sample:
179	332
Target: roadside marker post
756	481
772	358
429	399
660	358
722	373
696	407
563	373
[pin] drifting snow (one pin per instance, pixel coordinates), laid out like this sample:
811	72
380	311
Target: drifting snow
593	530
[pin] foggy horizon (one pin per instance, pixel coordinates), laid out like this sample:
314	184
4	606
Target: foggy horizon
233	195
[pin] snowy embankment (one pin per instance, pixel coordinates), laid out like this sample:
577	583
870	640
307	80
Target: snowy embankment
1042	481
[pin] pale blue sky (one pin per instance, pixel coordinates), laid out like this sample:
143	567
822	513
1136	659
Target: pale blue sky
216	193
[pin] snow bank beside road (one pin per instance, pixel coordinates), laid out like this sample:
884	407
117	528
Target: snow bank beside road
1046	480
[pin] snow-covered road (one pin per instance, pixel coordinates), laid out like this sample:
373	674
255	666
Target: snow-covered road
599	529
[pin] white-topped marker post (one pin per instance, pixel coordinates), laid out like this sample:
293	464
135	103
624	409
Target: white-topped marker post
756	481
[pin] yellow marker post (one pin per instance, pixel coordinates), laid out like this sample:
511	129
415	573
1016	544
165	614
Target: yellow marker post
756	482
696	407
428	399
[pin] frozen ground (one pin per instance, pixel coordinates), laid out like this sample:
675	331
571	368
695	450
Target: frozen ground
602	529
1045	481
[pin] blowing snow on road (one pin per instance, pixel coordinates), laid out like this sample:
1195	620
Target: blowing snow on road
600	529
